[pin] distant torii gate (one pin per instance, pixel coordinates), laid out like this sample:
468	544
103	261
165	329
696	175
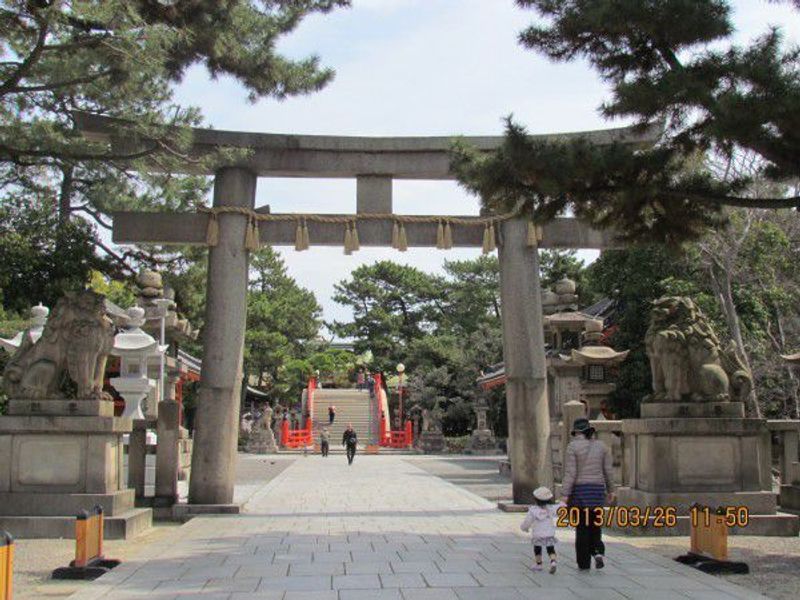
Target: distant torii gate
374	163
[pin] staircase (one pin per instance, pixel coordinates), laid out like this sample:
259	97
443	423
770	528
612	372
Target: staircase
352	406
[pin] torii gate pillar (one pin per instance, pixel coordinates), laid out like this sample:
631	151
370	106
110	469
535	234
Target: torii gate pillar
217	415
526	370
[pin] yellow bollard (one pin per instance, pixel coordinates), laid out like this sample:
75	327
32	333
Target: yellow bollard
6	566
89	561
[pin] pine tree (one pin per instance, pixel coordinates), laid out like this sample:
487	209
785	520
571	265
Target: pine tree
121	58
668	62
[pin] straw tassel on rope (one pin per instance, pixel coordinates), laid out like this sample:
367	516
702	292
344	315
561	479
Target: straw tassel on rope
251	237
348	240
535	234
402	239
440	236
489	242
531	238
395	235
448	236
298	237
301	241
306	237
356	243
212	230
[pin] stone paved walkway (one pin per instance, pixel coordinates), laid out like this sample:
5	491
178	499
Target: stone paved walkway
382	529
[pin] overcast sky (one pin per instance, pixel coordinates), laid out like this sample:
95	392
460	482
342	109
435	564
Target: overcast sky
417	67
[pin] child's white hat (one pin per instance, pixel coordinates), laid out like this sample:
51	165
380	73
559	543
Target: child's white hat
542	493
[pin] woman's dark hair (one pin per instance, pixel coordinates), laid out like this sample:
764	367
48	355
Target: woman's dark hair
543	502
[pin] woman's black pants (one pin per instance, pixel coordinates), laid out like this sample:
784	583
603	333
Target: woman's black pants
588	540
324	447
351	453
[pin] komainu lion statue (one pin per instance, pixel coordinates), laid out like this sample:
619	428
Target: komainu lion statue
76	341
687	361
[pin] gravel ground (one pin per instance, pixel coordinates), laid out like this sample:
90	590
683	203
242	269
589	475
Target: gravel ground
774	562
34	560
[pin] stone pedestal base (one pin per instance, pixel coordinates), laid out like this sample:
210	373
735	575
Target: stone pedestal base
715	461
714	410
54	465
481	441
789	498
262	441
432	442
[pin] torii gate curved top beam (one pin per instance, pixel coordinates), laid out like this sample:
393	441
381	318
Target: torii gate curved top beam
327	156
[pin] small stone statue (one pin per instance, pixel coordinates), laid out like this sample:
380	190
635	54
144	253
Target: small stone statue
426	419
264	419
436	417
76	341
262	438
431	439
687	361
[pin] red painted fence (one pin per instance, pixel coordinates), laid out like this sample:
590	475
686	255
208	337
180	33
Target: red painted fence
301	438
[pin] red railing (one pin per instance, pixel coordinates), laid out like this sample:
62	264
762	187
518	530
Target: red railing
301	438
386	437
398	439
296	438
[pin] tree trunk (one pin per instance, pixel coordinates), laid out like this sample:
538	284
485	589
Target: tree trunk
725	294
65	194
789	369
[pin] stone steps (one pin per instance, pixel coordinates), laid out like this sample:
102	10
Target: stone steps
352	406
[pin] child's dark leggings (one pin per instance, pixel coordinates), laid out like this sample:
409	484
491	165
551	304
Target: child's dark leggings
537	550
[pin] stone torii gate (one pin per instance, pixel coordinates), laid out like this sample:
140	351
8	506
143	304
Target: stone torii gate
374	163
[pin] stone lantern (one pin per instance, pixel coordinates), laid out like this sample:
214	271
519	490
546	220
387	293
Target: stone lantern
34	332
482	438
134	347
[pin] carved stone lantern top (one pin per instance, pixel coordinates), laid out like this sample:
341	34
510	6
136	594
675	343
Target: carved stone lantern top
38	319
135	346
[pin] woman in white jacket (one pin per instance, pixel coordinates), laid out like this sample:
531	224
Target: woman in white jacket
540	520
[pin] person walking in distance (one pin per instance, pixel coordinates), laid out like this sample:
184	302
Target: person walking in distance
331	414
324	441
350	441
587	484
360	380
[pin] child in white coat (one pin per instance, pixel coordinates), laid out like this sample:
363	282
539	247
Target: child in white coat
540	522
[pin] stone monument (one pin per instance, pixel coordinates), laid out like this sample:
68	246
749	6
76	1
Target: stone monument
432	439
280	413
693	443
790	463
60	444
482	438
262	439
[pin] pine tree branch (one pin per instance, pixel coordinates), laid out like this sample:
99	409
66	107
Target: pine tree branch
15	154
788	202
117	258
96	216
46	87
10	83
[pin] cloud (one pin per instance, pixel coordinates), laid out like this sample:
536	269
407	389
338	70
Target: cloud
416	67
